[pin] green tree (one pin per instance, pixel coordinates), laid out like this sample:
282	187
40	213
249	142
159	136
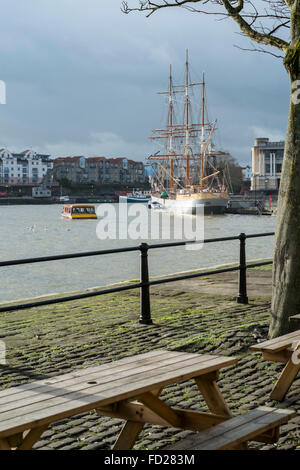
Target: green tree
275	24
65	182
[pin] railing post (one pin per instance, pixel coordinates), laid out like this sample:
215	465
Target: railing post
242	297
145	311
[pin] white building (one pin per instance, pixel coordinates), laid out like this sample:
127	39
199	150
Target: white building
39	191
246	173
267	160
27	167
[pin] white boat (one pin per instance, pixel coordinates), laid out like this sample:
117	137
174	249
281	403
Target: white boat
155	205
136	196
64	199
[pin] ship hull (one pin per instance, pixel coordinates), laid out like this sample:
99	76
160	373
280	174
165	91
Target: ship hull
130	200
209	206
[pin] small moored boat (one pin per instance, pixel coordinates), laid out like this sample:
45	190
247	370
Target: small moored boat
79	211
135	196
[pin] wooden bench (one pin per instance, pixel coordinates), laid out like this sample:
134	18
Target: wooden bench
294	322
261	424
128	389
282	349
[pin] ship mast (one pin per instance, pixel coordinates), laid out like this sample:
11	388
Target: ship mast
187	150
171	151
202	132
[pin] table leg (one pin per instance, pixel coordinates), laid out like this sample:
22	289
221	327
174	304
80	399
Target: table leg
242	446
15	440
128	435
22	441
161	409
32	437
130	431
285	381
212	394
4	445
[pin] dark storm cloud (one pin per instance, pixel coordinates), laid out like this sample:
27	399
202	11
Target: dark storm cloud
82	78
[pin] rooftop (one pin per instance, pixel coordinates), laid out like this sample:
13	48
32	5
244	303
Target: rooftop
266	143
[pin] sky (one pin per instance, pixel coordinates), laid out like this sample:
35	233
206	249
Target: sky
82	78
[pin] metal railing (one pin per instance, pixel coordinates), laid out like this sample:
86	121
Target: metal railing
145	284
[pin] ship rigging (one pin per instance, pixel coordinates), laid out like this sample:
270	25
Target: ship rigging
187	171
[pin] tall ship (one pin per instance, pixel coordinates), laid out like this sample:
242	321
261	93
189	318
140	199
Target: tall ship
186	171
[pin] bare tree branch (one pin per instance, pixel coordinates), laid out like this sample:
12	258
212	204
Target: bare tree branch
257	23
268	40
260	50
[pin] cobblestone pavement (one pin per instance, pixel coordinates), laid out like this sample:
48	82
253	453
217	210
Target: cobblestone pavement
47	341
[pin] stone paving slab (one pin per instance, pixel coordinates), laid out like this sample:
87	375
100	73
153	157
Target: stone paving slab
258	284
47	341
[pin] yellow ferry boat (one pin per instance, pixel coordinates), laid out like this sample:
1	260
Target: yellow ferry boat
79	211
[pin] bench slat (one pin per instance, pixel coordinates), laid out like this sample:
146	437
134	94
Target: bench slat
74	402
228	425
277	344
249	430
295	317
236	430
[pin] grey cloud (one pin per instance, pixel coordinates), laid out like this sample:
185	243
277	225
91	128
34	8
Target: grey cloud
78	69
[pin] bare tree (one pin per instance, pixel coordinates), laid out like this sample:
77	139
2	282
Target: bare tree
273	27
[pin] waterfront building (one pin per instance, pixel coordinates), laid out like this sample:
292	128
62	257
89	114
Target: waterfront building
267	160
246	172
99	170
40	192
71	168
27	167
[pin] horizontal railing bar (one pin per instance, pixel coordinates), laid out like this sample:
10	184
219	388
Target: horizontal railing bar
261	263
130	287
190	276
207	240
122	250
267	234
113	290
68	256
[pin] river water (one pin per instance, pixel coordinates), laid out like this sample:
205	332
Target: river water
39	230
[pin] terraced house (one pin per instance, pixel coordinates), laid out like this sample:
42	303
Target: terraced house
27	167
99	170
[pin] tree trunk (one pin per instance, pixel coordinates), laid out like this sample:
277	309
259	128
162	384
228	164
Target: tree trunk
286	268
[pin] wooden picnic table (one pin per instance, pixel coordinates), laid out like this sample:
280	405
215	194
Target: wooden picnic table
128	389
294	322
282	349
